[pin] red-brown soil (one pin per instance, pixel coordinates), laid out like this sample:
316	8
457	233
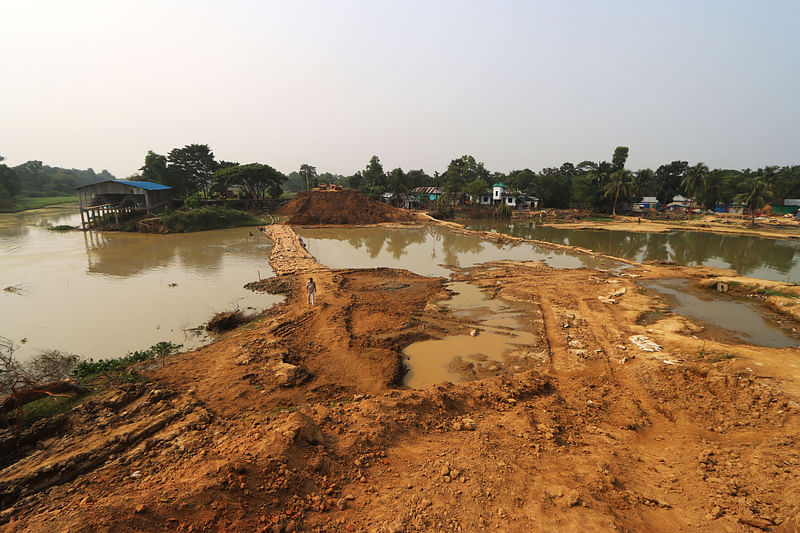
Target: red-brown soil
296	421
340	207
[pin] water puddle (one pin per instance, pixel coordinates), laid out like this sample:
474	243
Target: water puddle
739	319
427	251
458	356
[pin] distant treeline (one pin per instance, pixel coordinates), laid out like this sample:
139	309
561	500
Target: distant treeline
33	179
597	185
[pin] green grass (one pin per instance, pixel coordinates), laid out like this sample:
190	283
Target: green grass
47	407
205	218
90	369
597	219
23	204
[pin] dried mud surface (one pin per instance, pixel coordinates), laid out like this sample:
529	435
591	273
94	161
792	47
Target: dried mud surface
296	421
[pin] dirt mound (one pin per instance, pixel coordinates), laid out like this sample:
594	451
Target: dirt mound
341	207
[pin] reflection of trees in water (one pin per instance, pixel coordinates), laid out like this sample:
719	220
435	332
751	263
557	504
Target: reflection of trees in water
399	240
131	254
743	253
454	244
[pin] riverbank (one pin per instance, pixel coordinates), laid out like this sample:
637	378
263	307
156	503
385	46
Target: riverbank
297	421
731	225
25	204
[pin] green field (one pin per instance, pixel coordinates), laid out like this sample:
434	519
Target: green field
22	204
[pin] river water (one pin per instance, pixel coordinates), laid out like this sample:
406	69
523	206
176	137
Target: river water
756	257
102	295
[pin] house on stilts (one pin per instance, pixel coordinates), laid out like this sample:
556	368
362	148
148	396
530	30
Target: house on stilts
116	197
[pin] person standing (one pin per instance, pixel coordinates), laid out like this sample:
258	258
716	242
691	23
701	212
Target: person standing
311	290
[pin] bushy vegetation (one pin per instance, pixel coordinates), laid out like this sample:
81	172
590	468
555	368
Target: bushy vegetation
204	218
88	369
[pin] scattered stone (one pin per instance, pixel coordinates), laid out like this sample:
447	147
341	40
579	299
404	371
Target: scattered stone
140	508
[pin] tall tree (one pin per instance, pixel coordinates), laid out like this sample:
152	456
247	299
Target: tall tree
619	185
757	193
373	177
464	170
308	173
694	179
155	168
9	185
194	164
255	180
620	157
668	178
643	181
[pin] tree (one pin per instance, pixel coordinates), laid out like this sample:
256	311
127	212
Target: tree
373	177
255	180
618	185
620	157
643	180
397	182
309	173
193	165
462	171
155	168
9	185
477	187
668	180
757	193
694	179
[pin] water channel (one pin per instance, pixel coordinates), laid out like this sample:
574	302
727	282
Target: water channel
757	257
102	295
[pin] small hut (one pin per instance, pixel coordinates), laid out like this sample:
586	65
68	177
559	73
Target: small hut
115	197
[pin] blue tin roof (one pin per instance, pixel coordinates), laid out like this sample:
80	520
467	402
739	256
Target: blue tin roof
146	185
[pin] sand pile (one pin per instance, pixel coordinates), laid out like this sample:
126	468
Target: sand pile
341	207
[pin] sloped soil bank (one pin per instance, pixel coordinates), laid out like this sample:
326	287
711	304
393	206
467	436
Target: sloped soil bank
295	421
341	207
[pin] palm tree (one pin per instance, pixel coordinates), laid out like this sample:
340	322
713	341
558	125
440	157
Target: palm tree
619	184
641	178
755	196
694	179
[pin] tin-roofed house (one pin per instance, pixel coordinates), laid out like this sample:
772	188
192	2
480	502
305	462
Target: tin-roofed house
116	197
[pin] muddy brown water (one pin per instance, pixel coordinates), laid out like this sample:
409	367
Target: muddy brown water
740	319
102	295
499	332
427	251
757	257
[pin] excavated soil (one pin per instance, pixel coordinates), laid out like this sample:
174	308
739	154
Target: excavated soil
297	422
339	208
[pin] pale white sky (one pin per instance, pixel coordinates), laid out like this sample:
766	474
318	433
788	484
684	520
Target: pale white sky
330	83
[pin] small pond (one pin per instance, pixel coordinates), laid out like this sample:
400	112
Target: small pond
741	319
426	250
498	332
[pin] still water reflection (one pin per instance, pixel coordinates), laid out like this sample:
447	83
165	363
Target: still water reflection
104	294
425	250
750	256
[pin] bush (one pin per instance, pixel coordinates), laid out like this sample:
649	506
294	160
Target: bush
205	218
89	369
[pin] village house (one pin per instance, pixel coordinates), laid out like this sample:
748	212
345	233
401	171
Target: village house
115	197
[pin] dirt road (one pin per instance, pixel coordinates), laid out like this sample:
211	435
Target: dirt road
297	421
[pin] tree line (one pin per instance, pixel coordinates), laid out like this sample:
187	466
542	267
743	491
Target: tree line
596	185
194	170
33	179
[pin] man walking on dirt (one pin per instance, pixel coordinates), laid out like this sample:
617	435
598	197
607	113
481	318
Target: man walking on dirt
311	290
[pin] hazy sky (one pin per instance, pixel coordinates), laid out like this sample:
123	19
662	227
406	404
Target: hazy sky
330	83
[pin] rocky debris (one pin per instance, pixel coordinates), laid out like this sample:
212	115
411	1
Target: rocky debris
299	428
288	375
644	343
